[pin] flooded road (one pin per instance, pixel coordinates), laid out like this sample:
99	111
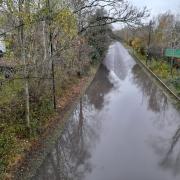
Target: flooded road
124	128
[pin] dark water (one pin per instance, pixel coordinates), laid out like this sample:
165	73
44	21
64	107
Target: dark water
124	128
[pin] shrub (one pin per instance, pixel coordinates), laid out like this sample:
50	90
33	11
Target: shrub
7	146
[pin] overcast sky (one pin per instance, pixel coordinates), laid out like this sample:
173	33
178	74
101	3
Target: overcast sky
156	7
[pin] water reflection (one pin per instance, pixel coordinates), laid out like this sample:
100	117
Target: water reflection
116	60
171	159
157	101
99	88
70	157
165	144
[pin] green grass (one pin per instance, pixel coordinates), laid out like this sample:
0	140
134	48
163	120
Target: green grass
9	91
162	69
13	130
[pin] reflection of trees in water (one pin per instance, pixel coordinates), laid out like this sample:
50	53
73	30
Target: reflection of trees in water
167	148
99	88
120	68
157	101
70	158
116	60
172	157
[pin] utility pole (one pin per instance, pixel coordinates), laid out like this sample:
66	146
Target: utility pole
127	36
172	58
51	55
149	42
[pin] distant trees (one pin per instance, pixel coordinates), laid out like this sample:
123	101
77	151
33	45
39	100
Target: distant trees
164	29
99	37
95	19
151	43
164	33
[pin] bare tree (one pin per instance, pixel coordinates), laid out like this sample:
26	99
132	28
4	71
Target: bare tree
117	11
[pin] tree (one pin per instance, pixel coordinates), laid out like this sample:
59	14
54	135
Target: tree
163	31
99	36
117	11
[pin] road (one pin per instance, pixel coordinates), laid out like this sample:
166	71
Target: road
124	128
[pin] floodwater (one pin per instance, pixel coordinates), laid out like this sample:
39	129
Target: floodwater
124	128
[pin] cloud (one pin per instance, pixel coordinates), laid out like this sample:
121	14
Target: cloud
158	6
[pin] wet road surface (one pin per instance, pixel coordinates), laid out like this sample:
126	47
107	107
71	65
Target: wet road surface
124	128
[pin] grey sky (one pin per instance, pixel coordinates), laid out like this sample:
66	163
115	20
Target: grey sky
156	7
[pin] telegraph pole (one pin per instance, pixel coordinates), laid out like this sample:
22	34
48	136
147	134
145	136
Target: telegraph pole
149	42
51	55
172	58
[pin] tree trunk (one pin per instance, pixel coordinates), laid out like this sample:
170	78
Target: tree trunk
51	56
23	56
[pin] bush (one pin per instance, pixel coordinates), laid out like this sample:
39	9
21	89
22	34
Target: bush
95	56
142	51
160	68
7	146
176	82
